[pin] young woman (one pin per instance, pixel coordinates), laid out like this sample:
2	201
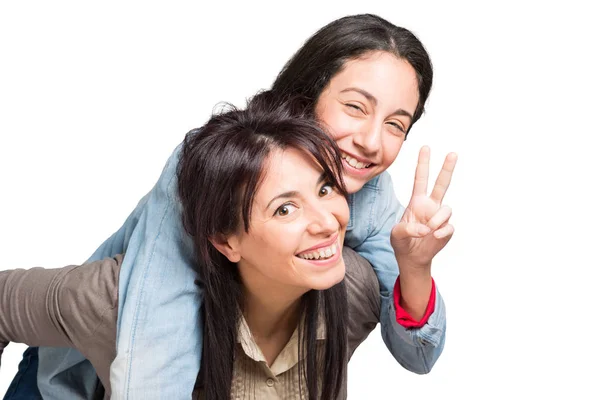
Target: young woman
272	310
366	81
263	198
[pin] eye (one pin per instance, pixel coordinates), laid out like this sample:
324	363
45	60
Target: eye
325	190
397	127
354	108
285	209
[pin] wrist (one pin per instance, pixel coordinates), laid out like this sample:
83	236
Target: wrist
413	269
415	285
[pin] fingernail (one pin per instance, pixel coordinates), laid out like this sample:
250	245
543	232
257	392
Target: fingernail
423	230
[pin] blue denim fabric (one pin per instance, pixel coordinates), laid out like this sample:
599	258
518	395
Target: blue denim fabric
65	373
159	329
24	385
374	211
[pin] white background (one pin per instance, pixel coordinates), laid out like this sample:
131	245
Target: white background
93	99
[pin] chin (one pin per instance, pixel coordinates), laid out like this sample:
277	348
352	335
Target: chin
353	184
332	278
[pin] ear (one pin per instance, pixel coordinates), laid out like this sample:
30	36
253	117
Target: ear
228	246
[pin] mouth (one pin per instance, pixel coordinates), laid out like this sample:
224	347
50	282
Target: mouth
356	164
323	251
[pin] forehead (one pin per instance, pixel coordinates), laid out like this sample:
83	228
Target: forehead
390	79
287	170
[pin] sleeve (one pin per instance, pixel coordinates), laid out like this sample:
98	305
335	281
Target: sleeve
118	242
29	312
65	370
74	306
159	306
403	317
416	349
363	298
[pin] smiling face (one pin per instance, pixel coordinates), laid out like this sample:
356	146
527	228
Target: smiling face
367	108
297	228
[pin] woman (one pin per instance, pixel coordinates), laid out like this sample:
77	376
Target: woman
264	200
366	81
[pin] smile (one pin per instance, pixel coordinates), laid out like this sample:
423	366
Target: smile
353	162
322	253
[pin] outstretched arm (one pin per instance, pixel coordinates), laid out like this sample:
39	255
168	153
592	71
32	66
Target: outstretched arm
74	306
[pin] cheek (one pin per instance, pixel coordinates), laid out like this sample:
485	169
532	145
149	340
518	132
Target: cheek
338	124
341	211
391	147
283	240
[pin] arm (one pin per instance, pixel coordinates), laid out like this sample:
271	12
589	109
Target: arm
73	306
364	306
65	372
159	307
118	242
416	349
29	312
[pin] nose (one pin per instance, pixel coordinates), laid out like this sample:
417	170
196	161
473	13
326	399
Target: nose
322	221
369	139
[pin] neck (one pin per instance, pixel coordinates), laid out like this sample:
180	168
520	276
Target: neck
271	319
270	309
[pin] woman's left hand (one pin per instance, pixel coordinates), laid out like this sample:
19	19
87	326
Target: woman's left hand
424	229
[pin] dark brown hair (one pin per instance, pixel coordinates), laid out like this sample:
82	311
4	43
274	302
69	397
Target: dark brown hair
220	169
324	54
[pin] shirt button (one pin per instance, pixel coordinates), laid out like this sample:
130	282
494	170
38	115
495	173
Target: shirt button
270	382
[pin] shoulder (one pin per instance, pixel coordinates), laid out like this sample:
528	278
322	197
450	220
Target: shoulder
382	182
361	280
86	292
379	196
385	187
362	290
378	190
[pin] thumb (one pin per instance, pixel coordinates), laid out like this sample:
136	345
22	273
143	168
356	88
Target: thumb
405	230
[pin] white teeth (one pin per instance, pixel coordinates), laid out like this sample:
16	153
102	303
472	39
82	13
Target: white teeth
323	253
354	162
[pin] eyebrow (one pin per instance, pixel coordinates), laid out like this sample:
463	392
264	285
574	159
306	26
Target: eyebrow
292	193
400	112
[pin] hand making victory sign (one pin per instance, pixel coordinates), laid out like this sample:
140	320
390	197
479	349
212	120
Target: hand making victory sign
422	232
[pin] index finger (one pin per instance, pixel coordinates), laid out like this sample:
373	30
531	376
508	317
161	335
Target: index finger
422	172
443	180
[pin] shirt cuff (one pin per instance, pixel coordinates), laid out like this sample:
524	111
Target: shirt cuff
404	318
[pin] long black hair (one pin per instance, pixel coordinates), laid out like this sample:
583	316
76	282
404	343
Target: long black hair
220	168
324	54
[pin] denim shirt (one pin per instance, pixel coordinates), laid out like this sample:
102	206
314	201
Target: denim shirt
159	327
